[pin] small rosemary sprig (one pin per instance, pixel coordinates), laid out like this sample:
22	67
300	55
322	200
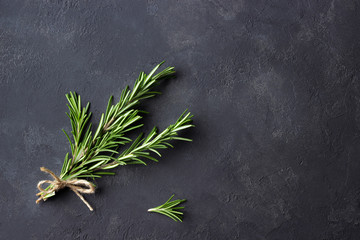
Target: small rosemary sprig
170	209
94	153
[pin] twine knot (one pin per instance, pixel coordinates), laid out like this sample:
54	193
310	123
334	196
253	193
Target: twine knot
78	186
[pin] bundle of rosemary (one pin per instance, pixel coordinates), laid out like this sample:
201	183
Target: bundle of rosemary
94	153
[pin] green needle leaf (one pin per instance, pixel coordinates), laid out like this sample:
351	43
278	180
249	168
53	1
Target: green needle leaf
168	209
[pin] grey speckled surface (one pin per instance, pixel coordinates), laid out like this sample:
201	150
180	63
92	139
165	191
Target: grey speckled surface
275	89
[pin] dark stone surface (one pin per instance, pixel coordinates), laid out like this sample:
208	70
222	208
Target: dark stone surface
274	86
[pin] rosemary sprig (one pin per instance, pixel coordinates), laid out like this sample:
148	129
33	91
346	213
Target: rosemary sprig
170	209
92	154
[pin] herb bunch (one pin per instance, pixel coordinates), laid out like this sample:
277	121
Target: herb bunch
94	153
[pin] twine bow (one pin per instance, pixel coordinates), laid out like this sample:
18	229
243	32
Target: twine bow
76	185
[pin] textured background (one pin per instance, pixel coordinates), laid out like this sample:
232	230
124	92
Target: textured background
274	86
